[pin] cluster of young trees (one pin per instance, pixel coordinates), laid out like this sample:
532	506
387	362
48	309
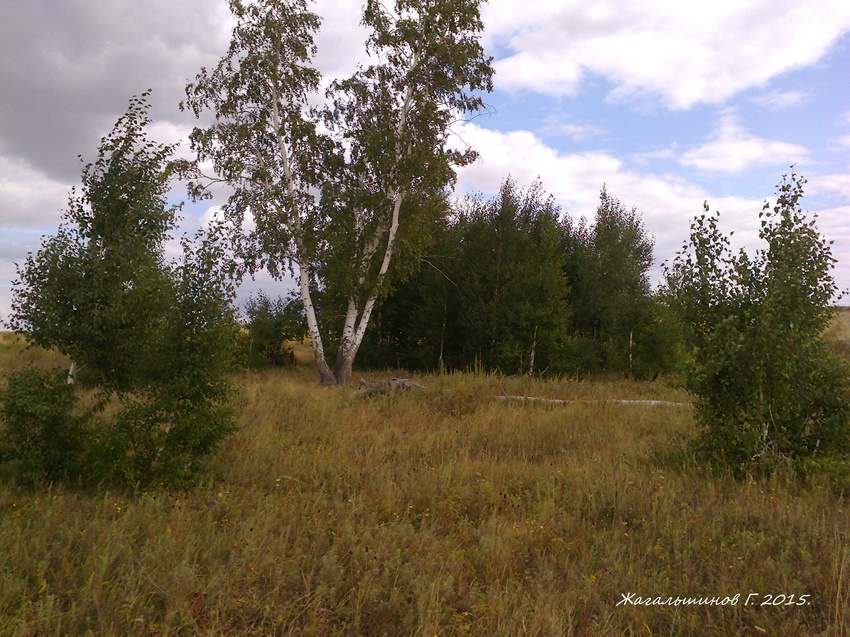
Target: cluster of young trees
512	284
151	339
768	387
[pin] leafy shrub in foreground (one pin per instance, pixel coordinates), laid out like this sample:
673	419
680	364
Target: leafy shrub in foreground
154	338
768	389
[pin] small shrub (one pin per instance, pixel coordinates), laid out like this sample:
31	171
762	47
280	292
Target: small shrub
272	324
42	430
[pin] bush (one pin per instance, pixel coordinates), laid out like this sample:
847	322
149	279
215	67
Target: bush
271	326
46	434
768	389
42	430
155	338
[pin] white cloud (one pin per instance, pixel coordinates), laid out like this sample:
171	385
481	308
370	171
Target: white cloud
575	179
579	132
28	198
544	71
667	202
341	38
643	159
69	68
576	131
778	100
834	184
167	132
682	53
832	223
732	150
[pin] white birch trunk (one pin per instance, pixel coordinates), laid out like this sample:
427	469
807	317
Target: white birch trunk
325	373
349	346
352	337
72	373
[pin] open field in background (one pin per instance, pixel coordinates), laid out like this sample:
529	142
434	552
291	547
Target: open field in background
839	333
443	512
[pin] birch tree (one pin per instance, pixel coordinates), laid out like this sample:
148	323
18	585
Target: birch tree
95	289
337	193
152	337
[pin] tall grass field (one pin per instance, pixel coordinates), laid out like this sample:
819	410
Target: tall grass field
441	512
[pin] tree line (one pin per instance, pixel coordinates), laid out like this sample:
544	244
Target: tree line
513	284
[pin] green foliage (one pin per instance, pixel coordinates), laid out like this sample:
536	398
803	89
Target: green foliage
619	324
767	384
41	429
154	339
493	293
272	326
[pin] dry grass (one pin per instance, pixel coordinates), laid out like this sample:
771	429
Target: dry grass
438	513
839	332
14	354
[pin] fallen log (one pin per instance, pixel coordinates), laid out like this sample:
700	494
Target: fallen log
558	401
390	385
385	386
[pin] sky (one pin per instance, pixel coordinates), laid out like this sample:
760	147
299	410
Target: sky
668	104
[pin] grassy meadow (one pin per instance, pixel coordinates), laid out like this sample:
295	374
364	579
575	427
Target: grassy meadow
442	512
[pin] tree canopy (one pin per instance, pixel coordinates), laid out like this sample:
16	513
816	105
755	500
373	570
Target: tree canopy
339	193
